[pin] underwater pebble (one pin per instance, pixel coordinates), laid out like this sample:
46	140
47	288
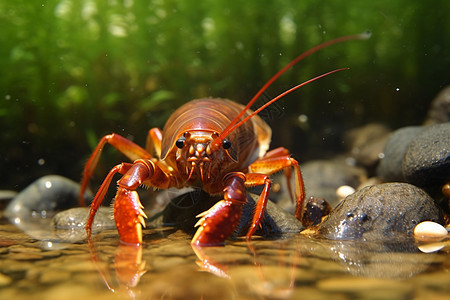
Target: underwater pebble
440	108
182	211
390	166
76	218
380	211
366	143
344	190
427	160
430	229
45	195
323	177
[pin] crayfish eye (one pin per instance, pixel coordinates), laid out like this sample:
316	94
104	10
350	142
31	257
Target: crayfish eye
180	143
226	144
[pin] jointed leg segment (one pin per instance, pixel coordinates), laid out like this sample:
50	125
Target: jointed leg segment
127	147
128	212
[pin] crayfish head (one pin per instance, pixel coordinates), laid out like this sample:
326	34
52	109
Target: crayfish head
197	155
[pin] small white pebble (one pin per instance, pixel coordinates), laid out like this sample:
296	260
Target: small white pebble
344	190
430	229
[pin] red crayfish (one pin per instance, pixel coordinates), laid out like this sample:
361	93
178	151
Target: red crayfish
217	145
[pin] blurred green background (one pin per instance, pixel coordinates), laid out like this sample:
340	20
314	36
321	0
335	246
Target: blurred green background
74	70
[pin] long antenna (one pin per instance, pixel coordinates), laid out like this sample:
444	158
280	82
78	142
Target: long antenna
216	142
282	95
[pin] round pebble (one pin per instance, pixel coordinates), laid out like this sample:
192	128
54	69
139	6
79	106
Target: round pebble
390	166
440	108
430	229
366	143
322	178
427	158
76	218
45	195
344	190
381	211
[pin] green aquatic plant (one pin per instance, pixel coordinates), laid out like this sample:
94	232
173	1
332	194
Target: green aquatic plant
73	71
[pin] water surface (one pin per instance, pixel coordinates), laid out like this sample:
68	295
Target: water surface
167	267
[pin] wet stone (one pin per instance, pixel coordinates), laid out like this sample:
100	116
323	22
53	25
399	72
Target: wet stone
275	221
366	143
70	224
182	211
45	195
427	159
381	211
322	178
76	218
440	108
390	166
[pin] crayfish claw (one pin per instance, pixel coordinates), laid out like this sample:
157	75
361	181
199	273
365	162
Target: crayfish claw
199	222
217	224
141	221
202	214
129	216
142	213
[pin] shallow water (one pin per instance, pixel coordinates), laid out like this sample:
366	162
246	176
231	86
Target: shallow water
167	267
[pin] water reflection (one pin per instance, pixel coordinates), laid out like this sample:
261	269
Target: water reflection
243	266
380	259
128	265
269	269
166	266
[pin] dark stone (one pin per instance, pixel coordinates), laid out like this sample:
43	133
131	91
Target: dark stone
182	212
379	212
366	143
323	177
390	167
427	160
46	195
440	108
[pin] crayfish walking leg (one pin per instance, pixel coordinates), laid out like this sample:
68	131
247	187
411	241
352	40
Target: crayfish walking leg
277	160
